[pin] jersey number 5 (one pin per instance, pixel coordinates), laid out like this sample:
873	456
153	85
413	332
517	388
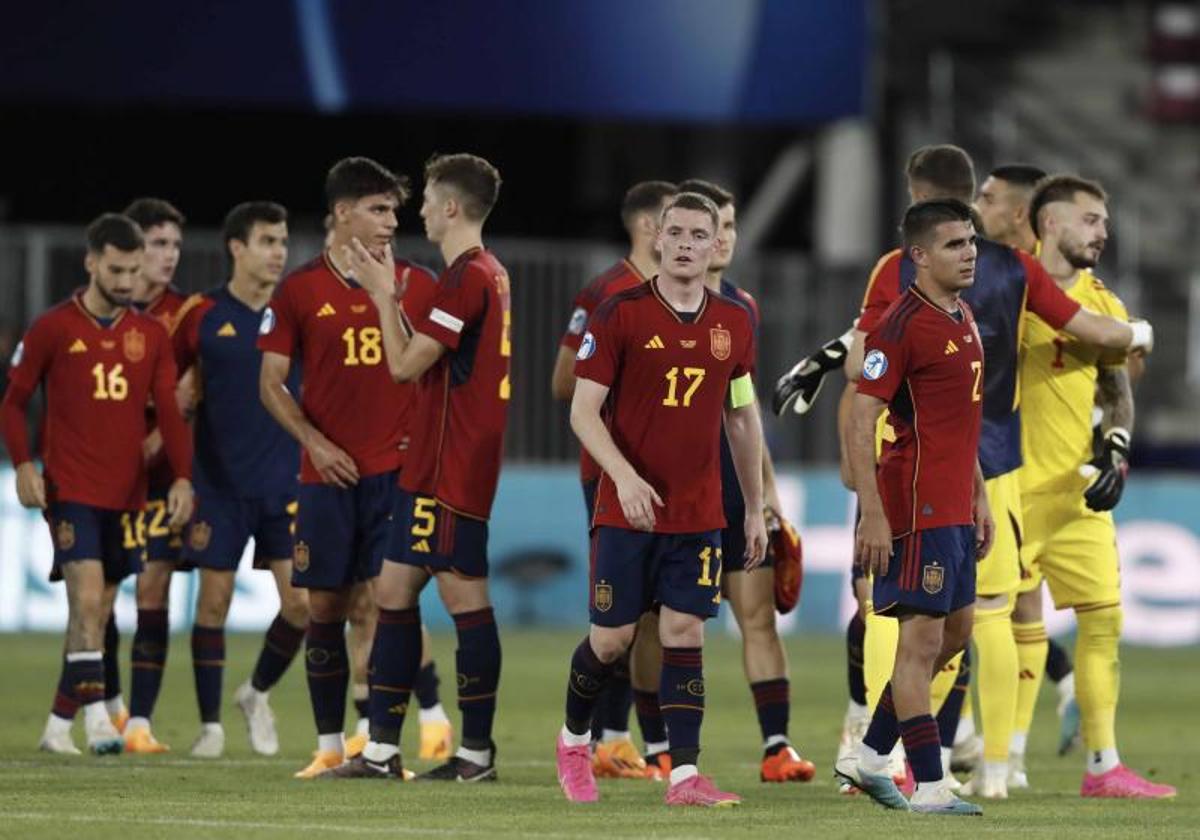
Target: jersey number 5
694	377
110	384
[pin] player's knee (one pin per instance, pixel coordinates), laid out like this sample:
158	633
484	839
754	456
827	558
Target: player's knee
611	643
758	625
1028	608
326	606
293	606
681	630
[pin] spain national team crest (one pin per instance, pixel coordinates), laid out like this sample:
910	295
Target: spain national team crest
300	558
134	345
603	597
64	535
721	343
199	536
932	579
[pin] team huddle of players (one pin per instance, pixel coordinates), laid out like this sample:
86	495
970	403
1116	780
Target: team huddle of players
397	437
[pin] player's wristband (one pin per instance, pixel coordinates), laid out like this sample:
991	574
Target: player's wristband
1143	336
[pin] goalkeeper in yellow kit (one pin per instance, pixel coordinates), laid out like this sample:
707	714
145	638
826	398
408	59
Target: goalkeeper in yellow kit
1067	495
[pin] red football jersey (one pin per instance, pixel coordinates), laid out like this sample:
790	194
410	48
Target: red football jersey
329	324
98	380
618	278
461	406
165	310
927	364
668	376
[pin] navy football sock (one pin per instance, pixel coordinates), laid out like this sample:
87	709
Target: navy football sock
149	661
922	747
328	674
427	686
65	703
280	645
855	633
614	702
1058	663
588	678
478	659
681	697
772	702
650	718
884	729
85	675
951	711
208	666
112	658
395	661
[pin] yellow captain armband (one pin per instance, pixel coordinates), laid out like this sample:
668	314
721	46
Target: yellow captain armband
741	391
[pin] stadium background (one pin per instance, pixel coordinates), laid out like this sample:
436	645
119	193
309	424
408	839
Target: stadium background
806	109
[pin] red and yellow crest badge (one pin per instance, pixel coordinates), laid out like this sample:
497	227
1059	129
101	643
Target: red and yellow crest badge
300	557
932	579
134	345
199	536
720	342
64	535
603	597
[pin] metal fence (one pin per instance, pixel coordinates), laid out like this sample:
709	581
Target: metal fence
800	307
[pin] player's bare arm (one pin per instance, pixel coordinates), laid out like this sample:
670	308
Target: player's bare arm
743	426
985	525
31	487
176	442
852	367
1112	333
562	380
770	486
407	357
333	463
1114	395
873	542
845	402
637	497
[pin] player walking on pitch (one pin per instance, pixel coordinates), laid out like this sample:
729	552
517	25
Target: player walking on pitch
665	354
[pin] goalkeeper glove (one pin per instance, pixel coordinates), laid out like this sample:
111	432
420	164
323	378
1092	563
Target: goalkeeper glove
800	385
1110	469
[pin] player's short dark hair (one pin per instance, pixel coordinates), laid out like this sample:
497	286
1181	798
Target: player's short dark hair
645	197
1020	174
241	219
718	195
476	181
921	218
946	168
692	201
152	212
1060	188
353	178
114	229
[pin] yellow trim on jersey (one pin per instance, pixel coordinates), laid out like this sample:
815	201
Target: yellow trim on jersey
188	305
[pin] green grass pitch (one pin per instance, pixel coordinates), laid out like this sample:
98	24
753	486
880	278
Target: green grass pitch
245	796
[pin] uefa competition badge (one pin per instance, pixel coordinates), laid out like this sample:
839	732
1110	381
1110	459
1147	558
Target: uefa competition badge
578	321
875	365
268	322
586	347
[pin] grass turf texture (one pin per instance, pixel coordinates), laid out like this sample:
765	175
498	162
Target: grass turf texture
246	796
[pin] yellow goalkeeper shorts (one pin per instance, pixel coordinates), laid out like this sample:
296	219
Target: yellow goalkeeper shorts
1072	547
999	573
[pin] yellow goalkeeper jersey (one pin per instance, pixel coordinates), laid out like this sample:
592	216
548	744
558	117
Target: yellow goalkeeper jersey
1058	391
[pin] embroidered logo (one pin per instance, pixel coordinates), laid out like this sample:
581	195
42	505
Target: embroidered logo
134	345
720	343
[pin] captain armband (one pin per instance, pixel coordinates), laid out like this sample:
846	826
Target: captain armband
741	391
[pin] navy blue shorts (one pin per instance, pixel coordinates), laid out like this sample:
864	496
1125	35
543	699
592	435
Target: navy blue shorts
221	525
733	542
632	571
163	543
589	499
83	532
930	572
428	534
341	534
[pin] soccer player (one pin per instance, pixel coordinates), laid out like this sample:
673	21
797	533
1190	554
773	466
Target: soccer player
752	594
664	355
1067	496
100	364
1003	206
162	226
1008	283
615	755
924	509
350	423
245	473
458	354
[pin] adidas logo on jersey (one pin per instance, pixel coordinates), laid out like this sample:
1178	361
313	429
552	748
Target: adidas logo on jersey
421	546
78	347
227	330
951	347
655	343
325	311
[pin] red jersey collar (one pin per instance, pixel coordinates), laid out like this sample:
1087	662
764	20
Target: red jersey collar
77	299
653	281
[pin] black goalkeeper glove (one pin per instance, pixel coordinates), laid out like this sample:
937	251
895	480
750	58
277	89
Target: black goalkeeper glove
1112	466
800	385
